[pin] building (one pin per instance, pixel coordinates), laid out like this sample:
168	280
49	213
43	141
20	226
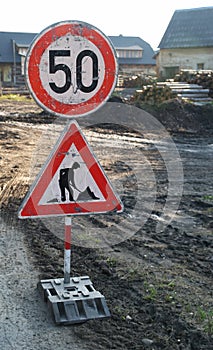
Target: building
135	56
13	48
187	42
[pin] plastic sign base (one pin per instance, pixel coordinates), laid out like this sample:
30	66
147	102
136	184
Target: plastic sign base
73	302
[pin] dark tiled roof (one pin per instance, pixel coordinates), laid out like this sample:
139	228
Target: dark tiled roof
6	44
24	40
127	41
189	28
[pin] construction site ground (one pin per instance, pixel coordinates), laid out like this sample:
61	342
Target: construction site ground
157	282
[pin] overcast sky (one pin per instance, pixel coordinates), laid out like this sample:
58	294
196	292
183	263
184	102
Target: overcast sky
146	19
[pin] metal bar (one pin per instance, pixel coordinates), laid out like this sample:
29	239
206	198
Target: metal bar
14	63
67	248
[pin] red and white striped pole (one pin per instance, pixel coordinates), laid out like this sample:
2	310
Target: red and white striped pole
67	248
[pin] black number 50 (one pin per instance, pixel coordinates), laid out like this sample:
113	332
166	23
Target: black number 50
53	68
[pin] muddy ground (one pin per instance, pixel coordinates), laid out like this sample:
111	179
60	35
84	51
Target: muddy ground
157	282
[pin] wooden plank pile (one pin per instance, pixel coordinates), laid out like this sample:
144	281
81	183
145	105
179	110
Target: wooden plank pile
154	93
200	82
193	93
199	77
191	86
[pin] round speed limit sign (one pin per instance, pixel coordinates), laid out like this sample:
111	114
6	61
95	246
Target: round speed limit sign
71	69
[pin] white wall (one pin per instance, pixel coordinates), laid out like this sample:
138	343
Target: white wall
184	58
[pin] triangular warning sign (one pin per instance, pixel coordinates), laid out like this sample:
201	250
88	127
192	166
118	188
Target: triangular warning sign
71	182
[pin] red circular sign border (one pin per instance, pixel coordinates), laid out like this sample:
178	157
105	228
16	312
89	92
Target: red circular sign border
42	42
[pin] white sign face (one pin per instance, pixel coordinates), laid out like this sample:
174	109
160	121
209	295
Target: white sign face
69	73
73	179
71	69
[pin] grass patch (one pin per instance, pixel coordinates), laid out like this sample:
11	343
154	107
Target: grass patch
14	97
208	197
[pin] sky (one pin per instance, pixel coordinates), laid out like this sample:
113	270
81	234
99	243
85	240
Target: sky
145	19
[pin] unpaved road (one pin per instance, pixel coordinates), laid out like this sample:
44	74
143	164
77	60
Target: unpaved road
154	266
24	321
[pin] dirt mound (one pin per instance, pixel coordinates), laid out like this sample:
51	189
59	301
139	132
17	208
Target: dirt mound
178	116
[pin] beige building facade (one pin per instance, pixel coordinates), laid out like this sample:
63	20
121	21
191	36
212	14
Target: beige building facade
170	61
187	42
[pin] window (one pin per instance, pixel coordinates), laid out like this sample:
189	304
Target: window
129	53
170	72
7	73
200	66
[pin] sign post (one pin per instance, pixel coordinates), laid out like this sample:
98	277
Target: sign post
67	248
71	70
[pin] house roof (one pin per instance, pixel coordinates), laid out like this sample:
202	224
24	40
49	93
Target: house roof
6	44
131	41
25	39
189	28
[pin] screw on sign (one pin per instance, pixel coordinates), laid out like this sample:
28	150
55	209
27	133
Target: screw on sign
71	69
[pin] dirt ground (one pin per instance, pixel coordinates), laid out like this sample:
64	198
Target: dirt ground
157	280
